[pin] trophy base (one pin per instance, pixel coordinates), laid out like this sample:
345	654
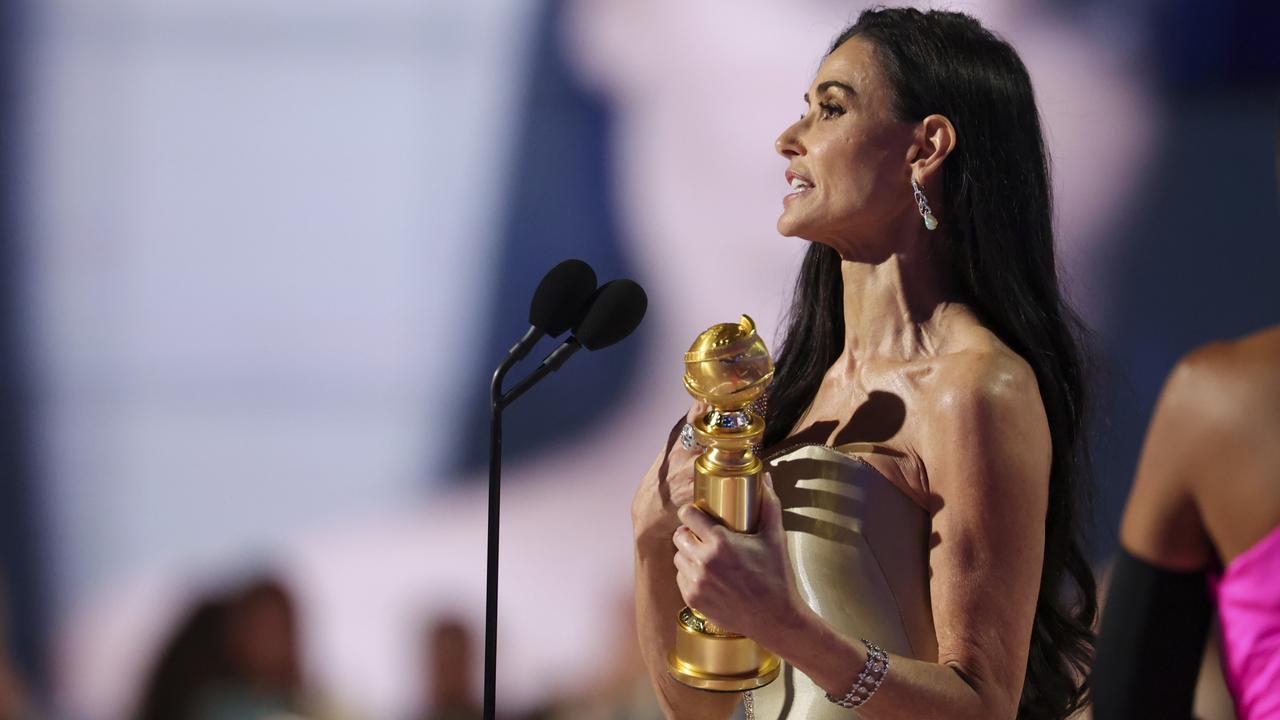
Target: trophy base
709	659
695	678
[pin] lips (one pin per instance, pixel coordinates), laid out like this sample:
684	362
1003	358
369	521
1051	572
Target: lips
799	185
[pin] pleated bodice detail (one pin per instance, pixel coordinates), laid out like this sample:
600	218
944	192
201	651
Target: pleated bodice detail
859	546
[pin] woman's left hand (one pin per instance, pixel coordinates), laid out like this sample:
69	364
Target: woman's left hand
742	582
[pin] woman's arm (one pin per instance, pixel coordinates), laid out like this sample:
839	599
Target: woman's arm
989	474
667	485
1158	603
1161	522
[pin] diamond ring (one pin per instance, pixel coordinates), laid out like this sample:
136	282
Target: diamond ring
686	439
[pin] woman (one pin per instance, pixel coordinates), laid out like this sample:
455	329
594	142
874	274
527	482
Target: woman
925	422
1201	528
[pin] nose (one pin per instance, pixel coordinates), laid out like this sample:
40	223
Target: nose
788	144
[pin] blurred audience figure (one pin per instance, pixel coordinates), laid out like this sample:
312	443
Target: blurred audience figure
448	687
13	697
233	657
192	661
262	654
1201	533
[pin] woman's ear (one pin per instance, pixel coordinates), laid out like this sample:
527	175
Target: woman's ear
935	138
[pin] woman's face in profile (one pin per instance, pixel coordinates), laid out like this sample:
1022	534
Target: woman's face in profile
848	156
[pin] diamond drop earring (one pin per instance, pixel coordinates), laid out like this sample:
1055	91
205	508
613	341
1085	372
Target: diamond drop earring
922	204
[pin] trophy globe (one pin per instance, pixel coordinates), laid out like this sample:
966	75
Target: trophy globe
728	366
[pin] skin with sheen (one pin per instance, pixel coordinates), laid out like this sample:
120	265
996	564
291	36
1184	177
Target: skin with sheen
973	448
1192	509
1205	494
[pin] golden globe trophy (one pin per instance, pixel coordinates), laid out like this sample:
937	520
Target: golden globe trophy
728	367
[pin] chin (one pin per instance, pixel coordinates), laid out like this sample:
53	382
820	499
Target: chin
789	228
806	234
800	233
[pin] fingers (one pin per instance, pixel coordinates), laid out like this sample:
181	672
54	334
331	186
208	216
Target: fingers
675	447
686	585
697	410
688	569
686	566
673	469
673	437
686	541
699	522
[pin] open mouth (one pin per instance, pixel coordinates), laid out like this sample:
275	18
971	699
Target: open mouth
799	185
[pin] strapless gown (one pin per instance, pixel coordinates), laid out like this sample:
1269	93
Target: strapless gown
1247	593
859	546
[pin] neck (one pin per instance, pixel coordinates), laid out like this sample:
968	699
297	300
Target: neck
893	304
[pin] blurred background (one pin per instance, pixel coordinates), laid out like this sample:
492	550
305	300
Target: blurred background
260	258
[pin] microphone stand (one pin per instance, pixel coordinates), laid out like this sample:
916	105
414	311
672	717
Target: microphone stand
497	402
495	496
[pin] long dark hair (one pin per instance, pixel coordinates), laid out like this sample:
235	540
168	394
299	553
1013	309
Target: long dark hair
998	208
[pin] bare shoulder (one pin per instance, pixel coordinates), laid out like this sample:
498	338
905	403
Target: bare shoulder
1230	384
1204	482
984	412
985	379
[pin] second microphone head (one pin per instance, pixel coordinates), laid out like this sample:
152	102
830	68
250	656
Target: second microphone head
562	296
615	311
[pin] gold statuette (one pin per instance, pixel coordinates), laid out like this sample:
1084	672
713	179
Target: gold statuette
728	367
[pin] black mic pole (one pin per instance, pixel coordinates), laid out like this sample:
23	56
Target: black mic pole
496	404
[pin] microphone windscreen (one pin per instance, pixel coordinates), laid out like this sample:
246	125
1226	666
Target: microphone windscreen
562	297
615	312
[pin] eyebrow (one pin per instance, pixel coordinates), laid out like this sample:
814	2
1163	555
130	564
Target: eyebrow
828	84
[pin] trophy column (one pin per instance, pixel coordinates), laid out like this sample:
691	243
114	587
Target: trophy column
728	367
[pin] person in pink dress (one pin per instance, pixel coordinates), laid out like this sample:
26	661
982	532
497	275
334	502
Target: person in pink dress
1201	531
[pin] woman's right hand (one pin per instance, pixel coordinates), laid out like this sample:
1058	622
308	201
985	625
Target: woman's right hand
667	486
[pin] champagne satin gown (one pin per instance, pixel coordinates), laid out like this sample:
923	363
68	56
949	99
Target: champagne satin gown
859	546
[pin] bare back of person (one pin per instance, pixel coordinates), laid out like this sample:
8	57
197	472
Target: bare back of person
1208	484
1200	538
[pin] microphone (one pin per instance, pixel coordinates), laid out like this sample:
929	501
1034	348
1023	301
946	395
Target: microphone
557	304
566	297
613	312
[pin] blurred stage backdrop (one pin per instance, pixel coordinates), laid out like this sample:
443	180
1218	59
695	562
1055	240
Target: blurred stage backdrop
261	258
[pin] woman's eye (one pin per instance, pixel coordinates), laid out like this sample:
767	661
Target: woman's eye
831	110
